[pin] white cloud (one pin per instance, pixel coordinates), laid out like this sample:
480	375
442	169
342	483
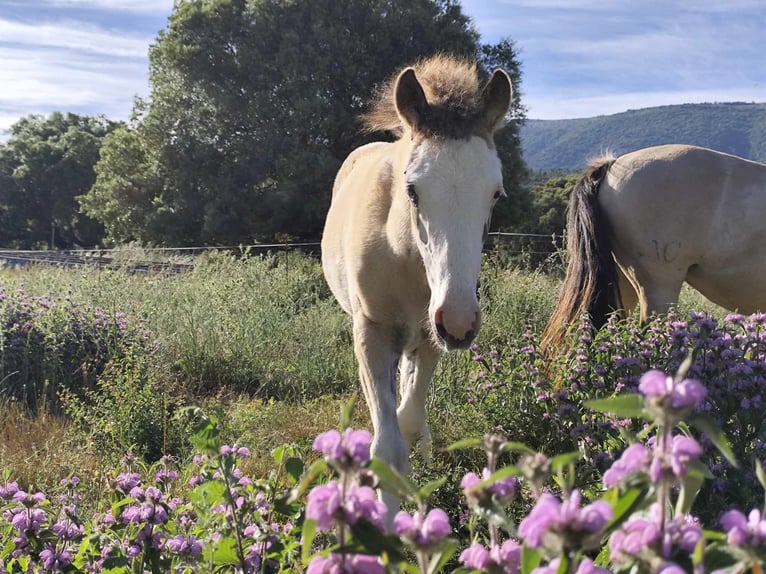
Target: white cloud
75	35
135	6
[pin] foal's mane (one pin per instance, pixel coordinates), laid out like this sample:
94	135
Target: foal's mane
455	103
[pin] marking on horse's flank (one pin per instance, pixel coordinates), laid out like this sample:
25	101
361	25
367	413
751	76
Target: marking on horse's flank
669	251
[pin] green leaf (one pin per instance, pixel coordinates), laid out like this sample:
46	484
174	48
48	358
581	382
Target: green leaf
705	424
391	480
318	467
564	561
516	447
690	487
530	559
560	461
375	542
208	494
440	558
465	443
629	405
495	476
347	413
623	504
225	552
426	490
278	454
294	467
307	534
760	473
205	435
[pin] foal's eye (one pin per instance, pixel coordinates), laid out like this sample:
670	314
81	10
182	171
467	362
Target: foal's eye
499	193
412	195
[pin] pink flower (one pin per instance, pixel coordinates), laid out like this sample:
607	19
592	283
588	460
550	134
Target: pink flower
422	531
352	448
475	556
634	459
323	504
348	564
566	523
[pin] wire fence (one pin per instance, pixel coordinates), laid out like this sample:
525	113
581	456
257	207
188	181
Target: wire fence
166	259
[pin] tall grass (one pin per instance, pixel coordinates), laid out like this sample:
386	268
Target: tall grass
262	338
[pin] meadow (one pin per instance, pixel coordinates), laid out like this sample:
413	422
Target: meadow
104	370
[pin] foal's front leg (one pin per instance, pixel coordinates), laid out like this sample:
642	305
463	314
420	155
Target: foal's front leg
376	352
415	373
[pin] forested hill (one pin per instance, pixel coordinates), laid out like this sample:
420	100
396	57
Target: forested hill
736	128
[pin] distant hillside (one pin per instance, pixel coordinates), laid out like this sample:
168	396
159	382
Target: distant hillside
736	128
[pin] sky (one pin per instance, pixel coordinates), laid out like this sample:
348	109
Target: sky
580	58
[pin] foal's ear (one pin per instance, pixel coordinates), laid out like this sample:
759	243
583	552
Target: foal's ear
497	98
410	98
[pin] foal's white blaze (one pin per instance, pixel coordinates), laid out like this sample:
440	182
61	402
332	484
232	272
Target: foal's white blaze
457	183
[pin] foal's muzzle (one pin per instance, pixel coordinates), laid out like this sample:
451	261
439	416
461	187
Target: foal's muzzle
456	337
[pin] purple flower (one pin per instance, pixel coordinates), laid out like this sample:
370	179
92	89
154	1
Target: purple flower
671	568
476	556
27	520
54	561
687	393
634	459
126	481
362	503
634	536
348	564
186	546
585	567
422	531
655	384
325	505
67	530
588	567
744	531
553	523
507	556
501	489
352	448
683	450
9	490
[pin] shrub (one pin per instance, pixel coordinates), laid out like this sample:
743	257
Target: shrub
130	410
48	343
540	399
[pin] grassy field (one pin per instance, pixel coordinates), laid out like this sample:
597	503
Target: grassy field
259	339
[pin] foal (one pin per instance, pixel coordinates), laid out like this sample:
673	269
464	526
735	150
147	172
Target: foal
403	238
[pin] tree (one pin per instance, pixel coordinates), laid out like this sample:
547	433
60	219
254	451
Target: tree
512	211
44	165
254	105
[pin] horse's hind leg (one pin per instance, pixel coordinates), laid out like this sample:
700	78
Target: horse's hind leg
628	293
657	290
377	355
416	370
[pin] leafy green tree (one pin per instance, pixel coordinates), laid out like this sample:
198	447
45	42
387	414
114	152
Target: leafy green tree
44	166
512	211
549	202
254	105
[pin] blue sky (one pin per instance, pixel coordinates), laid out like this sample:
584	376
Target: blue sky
580	58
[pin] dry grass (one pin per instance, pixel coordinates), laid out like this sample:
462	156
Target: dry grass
35	451
264	425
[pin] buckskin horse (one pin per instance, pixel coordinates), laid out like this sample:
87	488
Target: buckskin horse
640	225
402	243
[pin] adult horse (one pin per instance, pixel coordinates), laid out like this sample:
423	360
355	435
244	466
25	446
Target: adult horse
402	243
640	225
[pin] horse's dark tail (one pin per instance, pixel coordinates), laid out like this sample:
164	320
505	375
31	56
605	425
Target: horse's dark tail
590	284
